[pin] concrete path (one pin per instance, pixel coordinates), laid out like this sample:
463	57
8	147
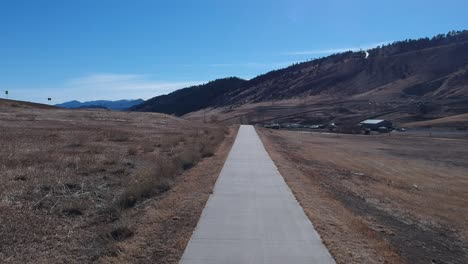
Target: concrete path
252	215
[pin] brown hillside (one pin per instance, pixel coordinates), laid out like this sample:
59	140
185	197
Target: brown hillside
407	81
5	103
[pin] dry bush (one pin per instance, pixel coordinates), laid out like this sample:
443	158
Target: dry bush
110	238
132	151
167	167
210	145
188	158
134	193
153	181
208	151
110	213
120	232
148	182
73	208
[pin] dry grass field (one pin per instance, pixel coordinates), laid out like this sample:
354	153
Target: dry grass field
80	186
379	198
457	121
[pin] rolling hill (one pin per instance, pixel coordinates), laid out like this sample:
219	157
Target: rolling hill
8	104
406	81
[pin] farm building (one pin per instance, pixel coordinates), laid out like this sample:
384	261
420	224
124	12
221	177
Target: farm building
375	124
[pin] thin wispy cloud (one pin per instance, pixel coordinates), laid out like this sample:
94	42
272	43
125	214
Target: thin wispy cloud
258	65
104	86
243	64
120	86
252	65
336	50
125	82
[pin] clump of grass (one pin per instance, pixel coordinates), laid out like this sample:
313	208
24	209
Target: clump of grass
133	193
153	181
210	145
72	211
207	152
110	212
149	182
20	178
188	158
121	232
75	144
132	151
129	163
118	136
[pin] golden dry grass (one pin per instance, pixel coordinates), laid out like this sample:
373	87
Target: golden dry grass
67	176
377	199
457	121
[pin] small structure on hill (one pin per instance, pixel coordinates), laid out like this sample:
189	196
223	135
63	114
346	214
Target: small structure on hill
376	124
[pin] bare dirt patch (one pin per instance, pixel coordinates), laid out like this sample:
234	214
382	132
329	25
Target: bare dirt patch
76	184
377	199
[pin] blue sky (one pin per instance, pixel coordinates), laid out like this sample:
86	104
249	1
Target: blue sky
115	49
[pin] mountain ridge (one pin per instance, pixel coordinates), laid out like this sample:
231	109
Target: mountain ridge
194	98
402	75
123	104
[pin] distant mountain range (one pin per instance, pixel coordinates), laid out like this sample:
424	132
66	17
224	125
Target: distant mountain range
114	105
409	80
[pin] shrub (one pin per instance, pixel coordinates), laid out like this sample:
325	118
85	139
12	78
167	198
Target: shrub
121	233
149	182
72	207
188	158
159	179
132	151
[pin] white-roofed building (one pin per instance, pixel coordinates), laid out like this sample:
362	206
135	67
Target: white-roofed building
375	124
